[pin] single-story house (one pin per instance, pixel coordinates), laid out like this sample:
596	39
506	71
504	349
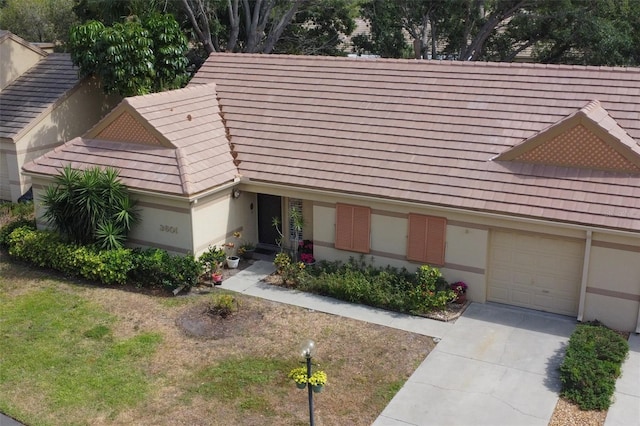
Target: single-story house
522	180
42	104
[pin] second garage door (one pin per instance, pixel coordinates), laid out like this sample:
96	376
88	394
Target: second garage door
535	271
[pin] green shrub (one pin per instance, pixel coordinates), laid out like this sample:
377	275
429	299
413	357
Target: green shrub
146	268
358	281
155	267
7	229
45	249
291	272
430	291
592	364
211	259
224	305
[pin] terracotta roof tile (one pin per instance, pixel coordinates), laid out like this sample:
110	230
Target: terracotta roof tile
193	156
425	131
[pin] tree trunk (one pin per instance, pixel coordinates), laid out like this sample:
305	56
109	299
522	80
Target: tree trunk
200	26
277	30
474	49
234	22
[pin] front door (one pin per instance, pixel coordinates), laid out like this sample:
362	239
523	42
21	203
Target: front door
269	206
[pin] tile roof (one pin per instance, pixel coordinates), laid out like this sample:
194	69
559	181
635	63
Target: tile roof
427	131
170	142
34	93
8	35
589	139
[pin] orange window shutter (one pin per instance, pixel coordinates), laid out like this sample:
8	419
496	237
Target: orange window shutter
361	229
416	238
344	227
435	242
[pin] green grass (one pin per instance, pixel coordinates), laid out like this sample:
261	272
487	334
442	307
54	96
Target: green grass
64	346
240	380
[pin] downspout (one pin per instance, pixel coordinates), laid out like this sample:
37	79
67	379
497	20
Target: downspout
638	323
585	275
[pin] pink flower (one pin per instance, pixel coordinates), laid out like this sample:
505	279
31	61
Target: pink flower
307	258
459	287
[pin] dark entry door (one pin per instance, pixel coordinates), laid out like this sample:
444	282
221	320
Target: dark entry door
269	206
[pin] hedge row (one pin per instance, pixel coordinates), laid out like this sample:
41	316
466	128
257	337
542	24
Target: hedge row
360	282
145	268
592	364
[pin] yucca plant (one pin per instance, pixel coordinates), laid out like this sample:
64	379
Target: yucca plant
90	206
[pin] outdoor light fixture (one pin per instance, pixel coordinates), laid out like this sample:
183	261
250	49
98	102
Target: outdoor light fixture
235	193
308	350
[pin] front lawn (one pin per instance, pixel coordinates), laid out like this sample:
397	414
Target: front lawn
74	353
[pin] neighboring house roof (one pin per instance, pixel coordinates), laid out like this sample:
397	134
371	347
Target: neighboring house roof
433	132
36	92
6	35
171	142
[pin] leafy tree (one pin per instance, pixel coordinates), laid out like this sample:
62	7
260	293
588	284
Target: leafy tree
90	206
590	32
38	20
386	37
258	26
111	11
318	29
134	57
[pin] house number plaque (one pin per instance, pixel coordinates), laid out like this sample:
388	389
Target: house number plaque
169	229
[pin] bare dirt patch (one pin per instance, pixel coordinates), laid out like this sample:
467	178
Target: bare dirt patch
203	321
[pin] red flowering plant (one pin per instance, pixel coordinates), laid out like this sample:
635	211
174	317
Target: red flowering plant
459	287
305	250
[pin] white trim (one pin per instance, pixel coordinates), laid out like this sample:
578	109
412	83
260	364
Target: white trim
585	275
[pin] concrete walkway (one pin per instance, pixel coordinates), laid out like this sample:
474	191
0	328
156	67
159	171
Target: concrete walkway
496	365
625	410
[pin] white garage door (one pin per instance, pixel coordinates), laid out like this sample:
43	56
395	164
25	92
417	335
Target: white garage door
535	271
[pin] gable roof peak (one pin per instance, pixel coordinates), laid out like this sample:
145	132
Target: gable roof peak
588	138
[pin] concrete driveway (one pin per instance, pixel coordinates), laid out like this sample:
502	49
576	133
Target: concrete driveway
496	366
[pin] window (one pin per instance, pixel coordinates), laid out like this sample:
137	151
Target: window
353	224
295	205
426	241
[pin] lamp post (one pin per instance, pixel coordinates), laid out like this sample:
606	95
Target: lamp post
308	350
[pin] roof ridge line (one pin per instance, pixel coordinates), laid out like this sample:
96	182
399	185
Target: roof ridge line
183	167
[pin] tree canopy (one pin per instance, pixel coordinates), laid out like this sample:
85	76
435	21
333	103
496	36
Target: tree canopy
590	32
133	57
38	20
266	26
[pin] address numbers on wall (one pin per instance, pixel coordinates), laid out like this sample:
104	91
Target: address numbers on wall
169	229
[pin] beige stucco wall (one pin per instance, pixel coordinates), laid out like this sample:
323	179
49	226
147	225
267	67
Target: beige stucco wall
164	223
613	264
613	285
217	217
15	59
72	117
466	243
